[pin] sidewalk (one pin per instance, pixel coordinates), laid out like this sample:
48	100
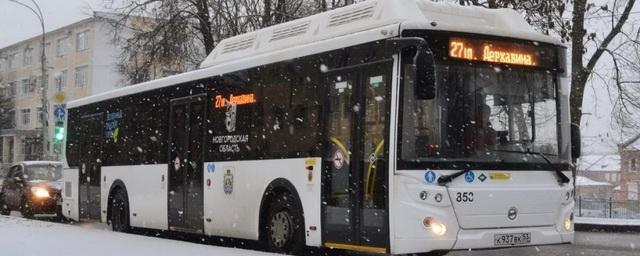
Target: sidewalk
606	224
607	221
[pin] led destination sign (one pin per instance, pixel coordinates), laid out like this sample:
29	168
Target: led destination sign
500	52
242	99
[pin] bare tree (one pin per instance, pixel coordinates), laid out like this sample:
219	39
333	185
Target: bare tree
178	34
160	34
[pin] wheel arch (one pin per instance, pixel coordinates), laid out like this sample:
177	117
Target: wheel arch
277	186
115	186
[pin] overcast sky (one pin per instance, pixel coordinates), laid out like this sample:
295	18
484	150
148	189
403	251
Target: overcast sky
18	23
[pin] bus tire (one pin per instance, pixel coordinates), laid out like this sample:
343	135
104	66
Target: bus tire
285	225
120	211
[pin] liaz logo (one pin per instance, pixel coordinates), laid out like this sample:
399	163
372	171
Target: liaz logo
230	119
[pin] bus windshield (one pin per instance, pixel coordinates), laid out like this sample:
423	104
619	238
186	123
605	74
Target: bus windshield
481	114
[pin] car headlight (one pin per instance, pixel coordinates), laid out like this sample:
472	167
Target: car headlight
40	192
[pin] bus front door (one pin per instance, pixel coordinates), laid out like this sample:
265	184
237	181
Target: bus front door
355	212
185	199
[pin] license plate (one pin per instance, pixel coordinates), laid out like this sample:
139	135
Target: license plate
512	239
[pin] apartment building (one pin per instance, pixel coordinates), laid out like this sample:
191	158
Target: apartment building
630	169
598	176
81	60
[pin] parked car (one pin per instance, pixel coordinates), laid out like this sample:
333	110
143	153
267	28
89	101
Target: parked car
32	187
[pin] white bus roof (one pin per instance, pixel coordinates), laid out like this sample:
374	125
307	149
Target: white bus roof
411	14
355	24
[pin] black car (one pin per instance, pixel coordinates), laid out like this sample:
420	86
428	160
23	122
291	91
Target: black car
32	187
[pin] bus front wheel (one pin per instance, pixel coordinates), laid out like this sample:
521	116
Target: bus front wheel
285	226
120	212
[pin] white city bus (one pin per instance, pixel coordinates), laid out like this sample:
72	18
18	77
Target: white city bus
389	126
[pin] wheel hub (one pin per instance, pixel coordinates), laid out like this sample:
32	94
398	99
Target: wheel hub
280	228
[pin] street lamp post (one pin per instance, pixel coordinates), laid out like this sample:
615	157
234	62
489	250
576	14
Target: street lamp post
44	119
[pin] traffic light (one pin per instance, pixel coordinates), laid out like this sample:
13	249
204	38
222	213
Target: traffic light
58	132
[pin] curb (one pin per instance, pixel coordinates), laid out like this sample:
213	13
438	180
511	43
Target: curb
606	228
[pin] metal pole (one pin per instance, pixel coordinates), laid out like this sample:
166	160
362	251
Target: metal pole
610	207
580	206
43	86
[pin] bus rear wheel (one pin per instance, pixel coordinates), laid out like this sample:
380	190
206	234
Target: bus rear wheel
285	226
120	212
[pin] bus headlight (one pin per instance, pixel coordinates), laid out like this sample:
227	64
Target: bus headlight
438	229
568	222
39	192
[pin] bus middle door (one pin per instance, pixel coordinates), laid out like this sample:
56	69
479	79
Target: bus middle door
90	167
185	193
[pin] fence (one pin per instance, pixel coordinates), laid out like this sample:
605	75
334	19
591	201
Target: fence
607	208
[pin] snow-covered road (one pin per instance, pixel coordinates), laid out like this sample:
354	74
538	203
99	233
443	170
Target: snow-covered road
23	237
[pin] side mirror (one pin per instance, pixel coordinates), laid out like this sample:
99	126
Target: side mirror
423	64
425	84
576	146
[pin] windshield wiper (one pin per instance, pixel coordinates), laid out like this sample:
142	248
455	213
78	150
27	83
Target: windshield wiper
562	178
444	179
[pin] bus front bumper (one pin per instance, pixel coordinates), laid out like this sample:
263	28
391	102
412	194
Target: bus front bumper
484	238
481	239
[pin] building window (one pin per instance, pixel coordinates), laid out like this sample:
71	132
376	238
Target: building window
27	56
632	191
61	47
41	116
26	87
11	61
25	116
82	41
61	80
81	76
12	89
632	165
